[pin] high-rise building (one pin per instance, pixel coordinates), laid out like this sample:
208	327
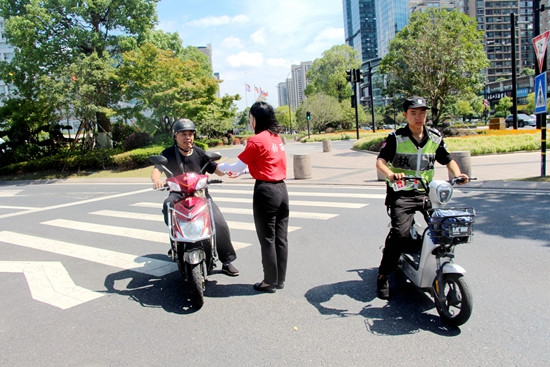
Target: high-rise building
296	84
391	17
7	52
360	27
282	93
493	17
420	5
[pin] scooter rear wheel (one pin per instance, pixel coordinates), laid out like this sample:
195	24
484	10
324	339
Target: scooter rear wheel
197	284
456	307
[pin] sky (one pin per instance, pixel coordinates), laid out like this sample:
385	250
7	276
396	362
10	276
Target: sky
255	42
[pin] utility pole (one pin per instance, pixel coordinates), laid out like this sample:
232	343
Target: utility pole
514	78
541	117
372	63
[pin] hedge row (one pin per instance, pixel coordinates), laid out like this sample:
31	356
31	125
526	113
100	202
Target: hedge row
94	160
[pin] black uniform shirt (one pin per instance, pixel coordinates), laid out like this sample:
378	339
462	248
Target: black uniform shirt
192	163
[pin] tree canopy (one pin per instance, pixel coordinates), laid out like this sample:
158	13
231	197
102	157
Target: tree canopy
101	60
327	75
438	55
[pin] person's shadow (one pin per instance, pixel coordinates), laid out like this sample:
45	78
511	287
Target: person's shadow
405	313
169	292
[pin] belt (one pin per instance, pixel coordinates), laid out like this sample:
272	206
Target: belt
270	182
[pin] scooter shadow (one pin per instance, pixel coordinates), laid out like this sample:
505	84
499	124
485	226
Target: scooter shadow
168	292
405	313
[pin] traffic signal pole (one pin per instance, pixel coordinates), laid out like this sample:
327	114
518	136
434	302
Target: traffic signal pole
355	76
541	117
356	112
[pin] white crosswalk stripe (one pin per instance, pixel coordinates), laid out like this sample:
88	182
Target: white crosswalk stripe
293	203
50	282
302	193
231	210
101	256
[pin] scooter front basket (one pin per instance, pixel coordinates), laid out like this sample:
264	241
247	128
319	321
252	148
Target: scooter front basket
451	226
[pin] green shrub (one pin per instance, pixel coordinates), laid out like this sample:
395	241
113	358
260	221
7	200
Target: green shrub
137	140
214	142
137	158
120	132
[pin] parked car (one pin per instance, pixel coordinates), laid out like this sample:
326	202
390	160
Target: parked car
523	120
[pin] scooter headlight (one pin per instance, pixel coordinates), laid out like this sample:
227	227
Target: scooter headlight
194	229
444	192
201	184
173	186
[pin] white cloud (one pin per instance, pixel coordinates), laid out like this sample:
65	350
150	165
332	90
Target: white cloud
217	21
278	62
331	35
232	43
252	59
259	36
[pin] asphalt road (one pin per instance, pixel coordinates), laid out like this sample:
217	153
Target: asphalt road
115	300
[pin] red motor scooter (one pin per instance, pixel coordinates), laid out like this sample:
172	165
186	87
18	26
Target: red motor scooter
191	226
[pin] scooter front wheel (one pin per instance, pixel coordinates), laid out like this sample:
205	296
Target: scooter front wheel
455	306
197	283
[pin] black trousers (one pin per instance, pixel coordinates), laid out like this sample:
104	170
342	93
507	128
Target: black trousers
226	252
401	209
271	211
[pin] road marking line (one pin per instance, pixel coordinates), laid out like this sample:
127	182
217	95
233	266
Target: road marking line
309	193
9	193
247	226
115	259
73	203
326	204
130	215
17	207
293	214
136	233
144	204
251	227
139	234
49	282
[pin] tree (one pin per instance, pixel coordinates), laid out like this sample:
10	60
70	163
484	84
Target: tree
439	55
284	115
502	109
348	116
464	109
327	75
161	85
53	35
325	112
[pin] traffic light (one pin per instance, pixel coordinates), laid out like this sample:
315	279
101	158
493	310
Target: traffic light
359	76
308	115
350	75
353	101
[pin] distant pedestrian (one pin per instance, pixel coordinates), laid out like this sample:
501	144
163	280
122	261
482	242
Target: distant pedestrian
265	157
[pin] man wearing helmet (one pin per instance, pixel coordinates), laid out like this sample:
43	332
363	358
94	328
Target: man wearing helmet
185	157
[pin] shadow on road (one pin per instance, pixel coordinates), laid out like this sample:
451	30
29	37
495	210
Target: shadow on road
509	216
405	313
168	292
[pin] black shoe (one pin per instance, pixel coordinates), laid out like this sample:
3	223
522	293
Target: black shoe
266	288
281	285
383	287
230	269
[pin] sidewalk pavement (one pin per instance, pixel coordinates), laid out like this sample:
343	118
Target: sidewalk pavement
349	167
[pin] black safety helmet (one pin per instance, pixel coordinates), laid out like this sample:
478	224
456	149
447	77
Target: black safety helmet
183	125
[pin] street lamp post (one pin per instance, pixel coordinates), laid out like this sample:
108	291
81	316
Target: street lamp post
370	66
288	102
